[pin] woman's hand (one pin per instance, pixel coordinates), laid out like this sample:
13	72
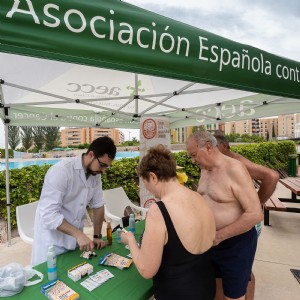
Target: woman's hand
126	236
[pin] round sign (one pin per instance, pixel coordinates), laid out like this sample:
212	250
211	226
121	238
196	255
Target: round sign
149	129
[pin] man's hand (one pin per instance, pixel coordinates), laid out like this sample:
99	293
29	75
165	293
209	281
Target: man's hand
85	244
99	243
218	239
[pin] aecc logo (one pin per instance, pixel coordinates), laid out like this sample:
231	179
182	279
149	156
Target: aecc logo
89	89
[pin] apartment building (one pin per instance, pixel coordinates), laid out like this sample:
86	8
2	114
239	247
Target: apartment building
180	135
251	126
269	128
76	136
284	126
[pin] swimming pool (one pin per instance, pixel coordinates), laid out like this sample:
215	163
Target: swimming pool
41	162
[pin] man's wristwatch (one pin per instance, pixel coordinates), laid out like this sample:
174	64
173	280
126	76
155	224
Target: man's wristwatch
98	236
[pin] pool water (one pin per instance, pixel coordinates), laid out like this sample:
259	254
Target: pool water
41	162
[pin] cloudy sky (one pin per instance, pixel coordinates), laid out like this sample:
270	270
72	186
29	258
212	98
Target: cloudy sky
273	26
270	25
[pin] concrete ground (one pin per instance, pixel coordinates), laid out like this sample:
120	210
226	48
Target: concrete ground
278	252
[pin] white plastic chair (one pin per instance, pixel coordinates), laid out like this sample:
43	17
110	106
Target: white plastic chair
116	202
25	221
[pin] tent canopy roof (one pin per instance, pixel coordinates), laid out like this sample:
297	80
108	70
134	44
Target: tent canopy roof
109	63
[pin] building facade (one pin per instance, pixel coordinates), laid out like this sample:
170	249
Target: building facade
269	128
286	125
180	135
76	136
279	127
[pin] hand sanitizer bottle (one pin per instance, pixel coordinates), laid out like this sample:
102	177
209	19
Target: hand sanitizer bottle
131	223
51	263
119	231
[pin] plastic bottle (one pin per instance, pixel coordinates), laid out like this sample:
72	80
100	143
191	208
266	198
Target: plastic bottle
51	263
131	223
109	234
258	228
119	231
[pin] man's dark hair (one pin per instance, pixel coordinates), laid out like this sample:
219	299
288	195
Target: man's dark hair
222	139
103	145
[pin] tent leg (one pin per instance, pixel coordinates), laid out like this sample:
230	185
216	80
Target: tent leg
136	92
7	186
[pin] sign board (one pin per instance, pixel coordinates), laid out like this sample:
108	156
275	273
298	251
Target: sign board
153	131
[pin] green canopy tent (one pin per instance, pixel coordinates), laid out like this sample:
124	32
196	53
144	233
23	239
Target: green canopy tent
108	63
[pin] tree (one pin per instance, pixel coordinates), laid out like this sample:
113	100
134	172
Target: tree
273	131
232	137
14	138
52	138
245	138
38	137
26	136
133	142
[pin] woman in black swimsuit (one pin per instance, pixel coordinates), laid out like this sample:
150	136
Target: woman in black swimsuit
179	232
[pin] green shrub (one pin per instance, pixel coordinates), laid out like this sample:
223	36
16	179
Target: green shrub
271	154
123	173
25	186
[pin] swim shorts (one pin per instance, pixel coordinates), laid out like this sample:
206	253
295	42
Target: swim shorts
233	260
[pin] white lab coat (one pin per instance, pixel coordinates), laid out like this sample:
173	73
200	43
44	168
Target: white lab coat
65	195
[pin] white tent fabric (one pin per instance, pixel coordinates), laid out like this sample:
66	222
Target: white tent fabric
52	93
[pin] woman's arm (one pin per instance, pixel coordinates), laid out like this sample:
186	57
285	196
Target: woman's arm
148	258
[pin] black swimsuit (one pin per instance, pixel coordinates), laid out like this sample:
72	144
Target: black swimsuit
182	275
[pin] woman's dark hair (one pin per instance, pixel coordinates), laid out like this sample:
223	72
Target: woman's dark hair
103	145
160	161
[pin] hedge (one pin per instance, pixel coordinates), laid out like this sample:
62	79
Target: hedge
26	183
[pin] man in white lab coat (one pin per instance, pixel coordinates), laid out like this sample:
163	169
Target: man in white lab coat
69	187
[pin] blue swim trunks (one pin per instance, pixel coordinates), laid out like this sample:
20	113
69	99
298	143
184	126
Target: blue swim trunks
233	260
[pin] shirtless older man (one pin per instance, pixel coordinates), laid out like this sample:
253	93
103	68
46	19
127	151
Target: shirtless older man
228	189
268	180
